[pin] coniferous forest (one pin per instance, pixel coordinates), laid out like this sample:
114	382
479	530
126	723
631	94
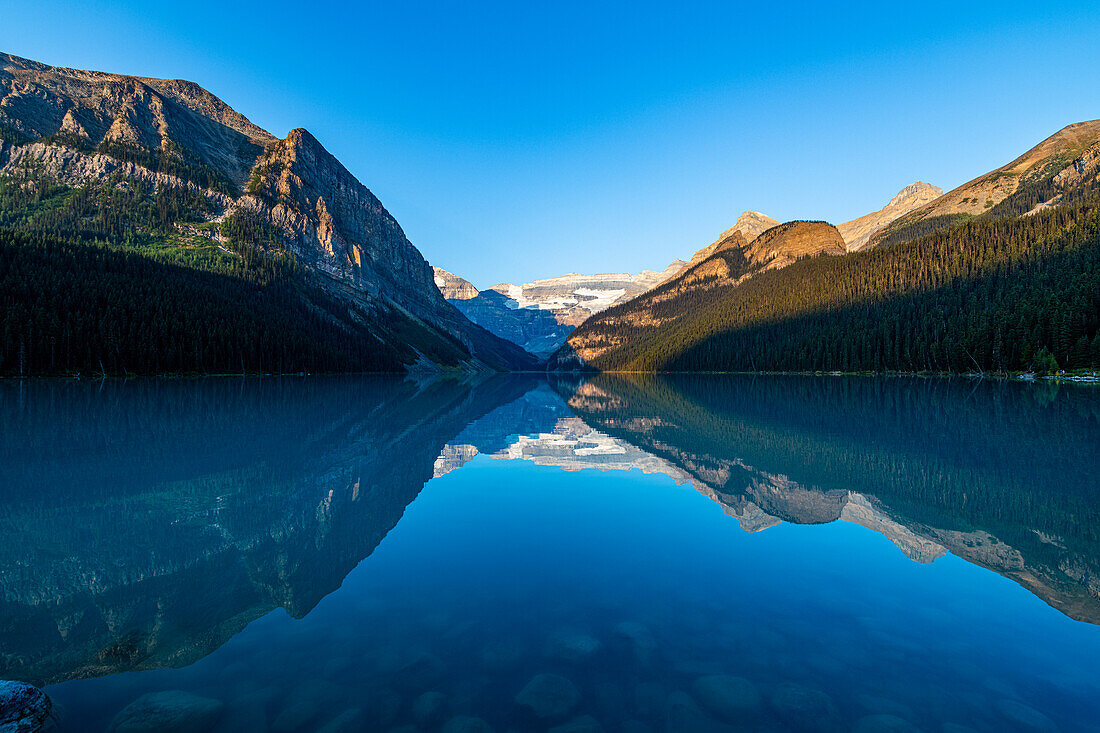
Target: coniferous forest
102	279
997	293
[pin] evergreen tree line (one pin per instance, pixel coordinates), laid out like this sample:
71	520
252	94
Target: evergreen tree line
70	307
995	293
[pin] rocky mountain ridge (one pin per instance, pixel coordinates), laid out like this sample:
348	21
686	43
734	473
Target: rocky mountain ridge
573	298
728	265
1040	168
858	232
748	227
536	330
93	129
540	315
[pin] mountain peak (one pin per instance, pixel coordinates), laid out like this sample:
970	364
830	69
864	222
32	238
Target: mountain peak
452	286
752	224
749	226
919	192
857	233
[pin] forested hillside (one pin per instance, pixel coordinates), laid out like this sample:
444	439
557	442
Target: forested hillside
98	279
1000	292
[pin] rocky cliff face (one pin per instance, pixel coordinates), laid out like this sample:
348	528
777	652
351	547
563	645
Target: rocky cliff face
90	128
781	245
452	286
94	108
858	232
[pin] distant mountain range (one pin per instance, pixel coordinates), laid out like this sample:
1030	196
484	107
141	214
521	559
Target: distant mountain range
540	315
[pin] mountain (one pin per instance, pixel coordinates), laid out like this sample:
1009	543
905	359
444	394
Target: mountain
749	226
452	286
537	331
574	298
858	232
622	335
1030	177
1011	289
170	177
540	315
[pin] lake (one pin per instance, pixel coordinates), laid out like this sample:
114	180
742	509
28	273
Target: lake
580	554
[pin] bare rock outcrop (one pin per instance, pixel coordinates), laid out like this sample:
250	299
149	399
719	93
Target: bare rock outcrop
858	232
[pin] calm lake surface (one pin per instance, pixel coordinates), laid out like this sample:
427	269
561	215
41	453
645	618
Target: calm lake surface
710	553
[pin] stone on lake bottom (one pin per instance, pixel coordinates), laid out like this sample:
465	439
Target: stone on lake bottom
548	697
348	721
572	646
804	708
23	708
419	674
171	711
682	715
733	699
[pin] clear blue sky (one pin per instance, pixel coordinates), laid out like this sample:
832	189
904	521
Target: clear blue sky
520	140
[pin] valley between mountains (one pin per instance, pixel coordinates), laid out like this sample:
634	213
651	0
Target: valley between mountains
146	227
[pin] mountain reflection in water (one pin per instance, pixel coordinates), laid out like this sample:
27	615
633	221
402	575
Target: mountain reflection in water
145	524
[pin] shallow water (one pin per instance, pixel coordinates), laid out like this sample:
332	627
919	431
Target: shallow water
375	554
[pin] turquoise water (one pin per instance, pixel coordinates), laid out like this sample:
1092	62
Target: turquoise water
788	553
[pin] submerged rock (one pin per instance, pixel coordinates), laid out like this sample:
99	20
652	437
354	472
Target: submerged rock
875	705
467	724
804	708
572	646
548	697
244	713
1024	717
23	708
885	723
171	711
682	715
733	699
638	638
419	674
306	703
